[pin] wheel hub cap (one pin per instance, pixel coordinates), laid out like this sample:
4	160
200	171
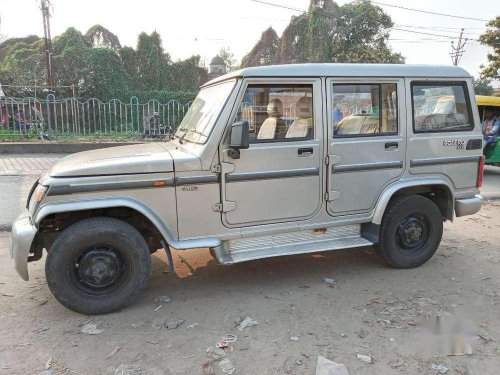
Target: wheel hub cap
99	268
411	233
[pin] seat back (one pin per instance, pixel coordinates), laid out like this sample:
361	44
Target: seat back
302	126
269	126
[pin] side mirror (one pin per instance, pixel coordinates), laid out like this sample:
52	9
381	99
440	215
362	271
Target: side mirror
239	138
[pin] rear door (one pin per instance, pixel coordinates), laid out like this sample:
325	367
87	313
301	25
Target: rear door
278	178
366	141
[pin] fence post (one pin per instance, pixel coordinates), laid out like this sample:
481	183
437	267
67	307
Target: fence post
134	100
51	112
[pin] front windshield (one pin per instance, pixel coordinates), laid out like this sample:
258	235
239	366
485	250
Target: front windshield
203	112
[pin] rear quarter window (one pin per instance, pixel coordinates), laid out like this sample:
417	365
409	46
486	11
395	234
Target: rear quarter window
441	107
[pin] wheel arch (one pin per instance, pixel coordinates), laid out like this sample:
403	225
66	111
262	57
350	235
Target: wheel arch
88	208
168	234
438	190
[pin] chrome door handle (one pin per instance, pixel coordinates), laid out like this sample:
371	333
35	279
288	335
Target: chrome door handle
391	146
305	151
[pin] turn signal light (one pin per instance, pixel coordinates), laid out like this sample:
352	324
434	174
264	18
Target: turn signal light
159	183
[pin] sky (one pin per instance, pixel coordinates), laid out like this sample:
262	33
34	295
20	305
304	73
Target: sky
203	27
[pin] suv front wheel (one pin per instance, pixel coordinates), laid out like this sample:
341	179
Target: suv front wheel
98	265
411	231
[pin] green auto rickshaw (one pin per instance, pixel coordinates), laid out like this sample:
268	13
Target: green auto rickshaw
492	103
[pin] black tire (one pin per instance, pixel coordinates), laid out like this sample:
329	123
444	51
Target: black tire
98	265
411	231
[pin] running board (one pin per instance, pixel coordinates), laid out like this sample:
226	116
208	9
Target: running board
301	242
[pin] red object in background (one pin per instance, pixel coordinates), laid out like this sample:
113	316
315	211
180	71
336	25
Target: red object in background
480	172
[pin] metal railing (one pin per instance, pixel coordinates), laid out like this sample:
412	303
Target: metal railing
51	117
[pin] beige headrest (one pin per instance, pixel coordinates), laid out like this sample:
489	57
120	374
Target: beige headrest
275	108
303	108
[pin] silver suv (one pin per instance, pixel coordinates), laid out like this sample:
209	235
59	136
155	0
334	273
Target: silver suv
268	161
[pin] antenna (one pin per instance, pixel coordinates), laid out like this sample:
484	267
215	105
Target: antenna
458	50
45	6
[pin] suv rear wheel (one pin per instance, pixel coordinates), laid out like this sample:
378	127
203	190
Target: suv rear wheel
411	231
98	265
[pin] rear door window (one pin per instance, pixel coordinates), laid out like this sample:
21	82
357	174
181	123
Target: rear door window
441	107
364	109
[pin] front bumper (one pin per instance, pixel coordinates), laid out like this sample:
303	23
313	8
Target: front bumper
23	233
468	206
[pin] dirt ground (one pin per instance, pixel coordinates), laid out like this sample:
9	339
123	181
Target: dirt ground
369	309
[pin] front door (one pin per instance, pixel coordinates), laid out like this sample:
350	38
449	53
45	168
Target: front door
366	141
278	178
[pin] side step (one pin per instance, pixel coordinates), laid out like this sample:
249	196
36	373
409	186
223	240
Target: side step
301	242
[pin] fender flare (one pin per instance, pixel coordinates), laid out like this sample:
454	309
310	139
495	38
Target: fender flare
81	205
388	193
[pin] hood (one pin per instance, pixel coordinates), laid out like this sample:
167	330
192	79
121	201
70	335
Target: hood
141	158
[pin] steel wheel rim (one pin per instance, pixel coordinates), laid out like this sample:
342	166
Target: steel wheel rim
99	271
412	234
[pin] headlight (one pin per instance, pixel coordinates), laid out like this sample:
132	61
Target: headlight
37	197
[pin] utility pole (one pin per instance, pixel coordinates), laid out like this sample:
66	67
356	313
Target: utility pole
458	50
44	7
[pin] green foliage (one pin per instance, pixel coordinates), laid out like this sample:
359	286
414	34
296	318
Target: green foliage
105	76
23	62
184	75
162	96
96	65
491	38
152	62
356	32
482	86
70	55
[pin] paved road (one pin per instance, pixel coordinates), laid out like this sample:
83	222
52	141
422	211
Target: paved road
19	172
491	186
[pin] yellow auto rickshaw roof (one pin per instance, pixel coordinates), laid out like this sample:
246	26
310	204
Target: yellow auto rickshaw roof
490	101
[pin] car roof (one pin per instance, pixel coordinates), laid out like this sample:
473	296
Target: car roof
347	70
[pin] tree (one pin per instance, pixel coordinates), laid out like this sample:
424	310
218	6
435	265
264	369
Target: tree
70	55
98	66
105	76
264	51
23	65
363	35
355	32
153	62
228	57
482	86
185	74
100	37
131	66
491	38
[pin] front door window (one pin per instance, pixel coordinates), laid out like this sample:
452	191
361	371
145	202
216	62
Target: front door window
278	113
